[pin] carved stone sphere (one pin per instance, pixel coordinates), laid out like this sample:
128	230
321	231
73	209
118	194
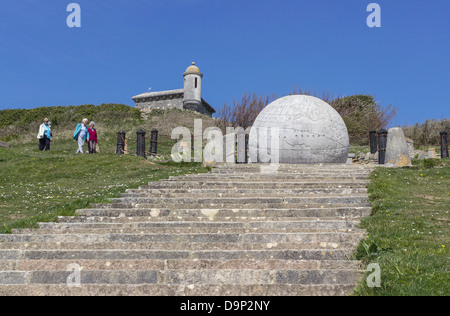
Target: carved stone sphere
309	131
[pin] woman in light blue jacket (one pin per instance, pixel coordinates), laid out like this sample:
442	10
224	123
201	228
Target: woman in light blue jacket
81	135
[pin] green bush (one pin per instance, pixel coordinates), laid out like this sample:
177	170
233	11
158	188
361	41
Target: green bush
16	122
427	133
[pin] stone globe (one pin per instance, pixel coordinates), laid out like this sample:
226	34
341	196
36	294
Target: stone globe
309	131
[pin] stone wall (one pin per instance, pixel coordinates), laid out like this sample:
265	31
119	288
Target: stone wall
204	110
162	104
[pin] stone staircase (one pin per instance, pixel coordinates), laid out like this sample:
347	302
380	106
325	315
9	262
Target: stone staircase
234	231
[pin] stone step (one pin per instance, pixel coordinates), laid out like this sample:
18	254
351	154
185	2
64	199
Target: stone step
99	265
223	206
350	199
178	290
254	185
265	179
339	224
233	211
277	175
285	254
317	238
281	173
234	231
270	177
288	168
172	246
178	230
230	219
235	194
247	192
291	166
186	277
284	169
290	171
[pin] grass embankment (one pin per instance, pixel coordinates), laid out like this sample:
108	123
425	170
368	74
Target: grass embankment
408	232
39	186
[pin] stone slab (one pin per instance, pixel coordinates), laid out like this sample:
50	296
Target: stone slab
4	145
397	153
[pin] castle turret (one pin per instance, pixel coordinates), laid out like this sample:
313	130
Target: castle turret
192	88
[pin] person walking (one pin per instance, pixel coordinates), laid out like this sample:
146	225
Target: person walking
44	136
81	135
92	138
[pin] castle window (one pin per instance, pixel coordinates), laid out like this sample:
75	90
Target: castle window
196	83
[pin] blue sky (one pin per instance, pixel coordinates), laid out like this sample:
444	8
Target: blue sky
126	46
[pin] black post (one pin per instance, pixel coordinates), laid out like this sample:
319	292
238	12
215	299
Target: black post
140	149
373	141
382	142
120	148
444	145
154	142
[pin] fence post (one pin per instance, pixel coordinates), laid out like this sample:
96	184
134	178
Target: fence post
154	142
140	147
444	145
120	148
373	141
382	142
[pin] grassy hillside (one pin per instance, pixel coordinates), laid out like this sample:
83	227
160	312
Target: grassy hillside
39	186
21	126
408	231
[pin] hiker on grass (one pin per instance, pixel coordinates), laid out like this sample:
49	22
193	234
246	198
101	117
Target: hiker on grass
92	138
44	136
81	135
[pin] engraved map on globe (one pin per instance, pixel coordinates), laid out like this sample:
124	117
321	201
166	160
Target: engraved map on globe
310	131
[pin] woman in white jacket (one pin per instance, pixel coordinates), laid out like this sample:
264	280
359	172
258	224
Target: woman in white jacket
44	136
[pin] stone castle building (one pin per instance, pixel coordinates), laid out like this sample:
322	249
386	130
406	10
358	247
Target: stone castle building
190	97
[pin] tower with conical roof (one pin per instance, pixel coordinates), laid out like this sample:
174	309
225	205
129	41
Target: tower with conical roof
188	98
192	88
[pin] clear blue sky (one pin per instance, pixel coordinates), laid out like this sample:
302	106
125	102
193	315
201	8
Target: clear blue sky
125	46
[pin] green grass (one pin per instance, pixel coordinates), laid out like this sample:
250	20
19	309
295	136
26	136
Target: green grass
357	149
408	232
39	186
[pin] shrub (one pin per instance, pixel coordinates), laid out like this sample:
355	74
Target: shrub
18	121
427	133
361	113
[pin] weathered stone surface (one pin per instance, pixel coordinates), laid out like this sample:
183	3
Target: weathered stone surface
397	154
410	144
230	232
420	154
375	156
4	145
178	290
310	131
432	153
